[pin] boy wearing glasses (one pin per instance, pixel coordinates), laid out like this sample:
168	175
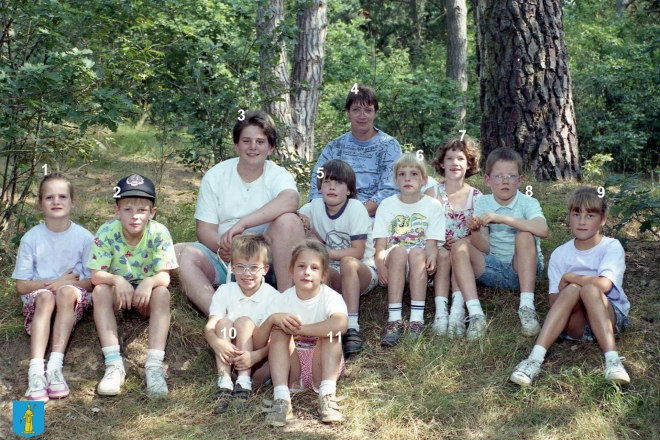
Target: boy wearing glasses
237	309
504	249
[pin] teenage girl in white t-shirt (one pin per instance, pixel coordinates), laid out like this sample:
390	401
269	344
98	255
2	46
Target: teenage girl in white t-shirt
305	328
587	301
51	277
456	160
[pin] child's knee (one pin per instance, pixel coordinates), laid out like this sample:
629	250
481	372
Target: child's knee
44	299
244	324
349	264
525	238
160	296
397	255
66	295
444	257
589	291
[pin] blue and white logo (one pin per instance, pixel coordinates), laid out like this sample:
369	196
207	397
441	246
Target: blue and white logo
28	418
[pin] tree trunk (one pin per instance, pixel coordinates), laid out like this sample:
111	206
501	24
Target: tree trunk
457	48
274	73
416	10
526	98
308	60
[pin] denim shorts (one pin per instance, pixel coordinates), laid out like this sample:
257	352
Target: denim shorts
497	273
219	266
621	322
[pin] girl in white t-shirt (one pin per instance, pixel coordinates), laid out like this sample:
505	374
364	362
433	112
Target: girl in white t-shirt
305	327
343	225
456	160
587	301
51	277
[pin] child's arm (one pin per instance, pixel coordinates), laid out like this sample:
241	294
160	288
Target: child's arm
379	257
147	285
537	226
603	283
337	322
356	251
123	288
479	234
431	256
23	287
286	321
244	360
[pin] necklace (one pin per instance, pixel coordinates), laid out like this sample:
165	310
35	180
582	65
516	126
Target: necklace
248	185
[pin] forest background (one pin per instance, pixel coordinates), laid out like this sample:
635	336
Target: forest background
98	89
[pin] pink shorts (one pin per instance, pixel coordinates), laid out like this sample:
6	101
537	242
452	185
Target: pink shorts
306	357
83	301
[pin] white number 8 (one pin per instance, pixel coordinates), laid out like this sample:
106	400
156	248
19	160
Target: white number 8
528	191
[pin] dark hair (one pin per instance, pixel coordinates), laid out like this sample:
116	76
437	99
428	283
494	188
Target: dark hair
587	198
313	246
250	245
55	176
467	146
337	169
505	155
260	119
366	96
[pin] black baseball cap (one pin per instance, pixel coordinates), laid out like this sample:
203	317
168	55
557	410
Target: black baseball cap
135	185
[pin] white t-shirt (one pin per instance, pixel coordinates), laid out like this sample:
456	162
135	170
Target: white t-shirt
224	198
230	302
45	255
410	224
606	259
351	223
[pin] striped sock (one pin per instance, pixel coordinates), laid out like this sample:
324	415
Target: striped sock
394	311
417	311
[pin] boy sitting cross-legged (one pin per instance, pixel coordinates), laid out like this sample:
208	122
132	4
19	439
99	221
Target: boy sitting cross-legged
237	309
130	262
505	249
407	231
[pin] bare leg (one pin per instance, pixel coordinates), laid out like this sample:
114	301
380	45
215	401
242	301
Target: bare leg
196	274
44	304
65	318
280	354
106	304
396	274
223	331
418	276
525	261
566	314
441	277
244	330
159	317
468	264
326	361
285	232
334	280
602	319
355	278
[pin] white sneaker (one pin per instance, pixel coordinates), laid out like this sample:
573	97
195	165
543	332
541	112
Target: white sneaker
616	372
440	324
112	381
529	321
37	388
456	326
156	385
477	327
525	372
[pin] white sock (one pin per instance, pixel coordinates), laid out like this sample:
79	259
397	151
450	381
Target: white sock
112	356
611	356
538	353
353	321
527	300
245	382
36	367
281	392
328	387
224	381
394	312
154	358
457	301
474	307
55	362
417	311
441	306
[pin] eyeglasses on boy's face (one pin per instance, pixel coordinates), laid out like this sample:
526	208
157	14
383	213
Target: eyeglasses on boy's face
501	178
239	269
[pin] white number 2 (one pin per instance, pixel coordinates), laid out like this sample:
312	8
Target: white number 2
116	189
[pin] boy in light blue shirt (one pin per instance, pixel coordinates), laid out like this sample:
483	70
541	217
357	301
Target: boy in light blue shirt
504	249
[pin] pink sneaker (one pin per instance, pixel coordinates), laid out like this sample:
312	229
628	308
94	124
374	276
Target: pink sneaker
57	386
37	388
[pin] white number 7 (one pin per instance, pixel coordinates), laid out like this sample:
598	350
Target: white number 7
462	134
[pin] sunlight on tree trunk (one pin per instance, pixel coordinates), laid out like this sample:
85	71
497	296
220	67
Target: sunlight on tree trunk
457	48
526	99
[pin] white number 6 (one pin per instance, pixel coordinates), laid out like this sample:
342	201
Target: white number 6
420	154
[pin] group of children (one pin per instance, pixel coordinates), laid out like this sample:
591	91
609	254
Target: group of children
451	234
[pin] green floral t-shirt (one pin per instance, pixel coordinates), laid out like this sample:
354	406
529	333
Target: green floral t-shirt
111	253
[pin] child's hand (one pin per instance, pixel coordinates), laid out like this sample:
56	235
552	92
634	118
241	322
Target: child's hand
125	293
224	350
66	278
224	243
305	221
431	263
142	295
287	322
449	242
244	360
490	217
473	223
382	273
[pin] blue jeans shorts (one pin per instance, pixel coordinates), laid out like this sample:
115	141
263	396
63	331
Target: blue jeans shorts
497	273
621	322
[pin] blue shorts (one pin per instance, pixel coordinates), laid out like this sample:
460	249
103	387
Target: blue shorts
621	322
220	267
497	273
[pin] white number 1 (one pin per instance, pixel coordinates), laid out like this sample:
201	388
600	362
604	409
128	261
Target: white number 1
45	167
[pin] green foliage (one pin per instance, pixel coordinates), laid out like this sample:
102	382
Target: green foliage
634	204
594	166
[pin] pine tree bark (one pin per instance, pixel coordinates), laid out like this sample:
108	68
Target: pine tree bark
526	98
457	48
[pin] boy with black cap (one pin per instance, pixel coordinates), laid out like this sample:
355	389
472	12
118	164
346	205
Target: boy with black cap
130	262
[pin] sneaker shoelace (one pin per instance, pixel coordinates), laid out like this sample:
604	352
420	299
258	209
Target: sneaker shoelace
37	383
56	378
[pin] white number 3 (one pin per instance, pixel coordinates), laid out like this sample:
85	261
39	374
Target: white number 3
241	115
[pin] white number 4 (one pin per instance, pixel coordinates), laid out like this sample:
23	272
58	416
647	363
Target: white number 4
355	89
338	335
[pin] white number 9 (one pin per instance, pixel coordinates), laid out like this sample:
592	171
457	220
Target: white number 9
601	192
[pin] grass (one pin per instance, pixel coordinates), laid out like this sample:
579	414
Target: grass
429	388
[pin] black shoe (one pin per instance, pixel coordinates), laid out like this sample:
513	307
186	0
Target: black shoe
391	334
353	341
241	397
223	398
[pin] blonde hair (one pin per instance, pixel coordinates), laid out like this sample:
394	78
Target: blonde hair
410	160
505	155
587	198
467	146
55	176
312	246
249	246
